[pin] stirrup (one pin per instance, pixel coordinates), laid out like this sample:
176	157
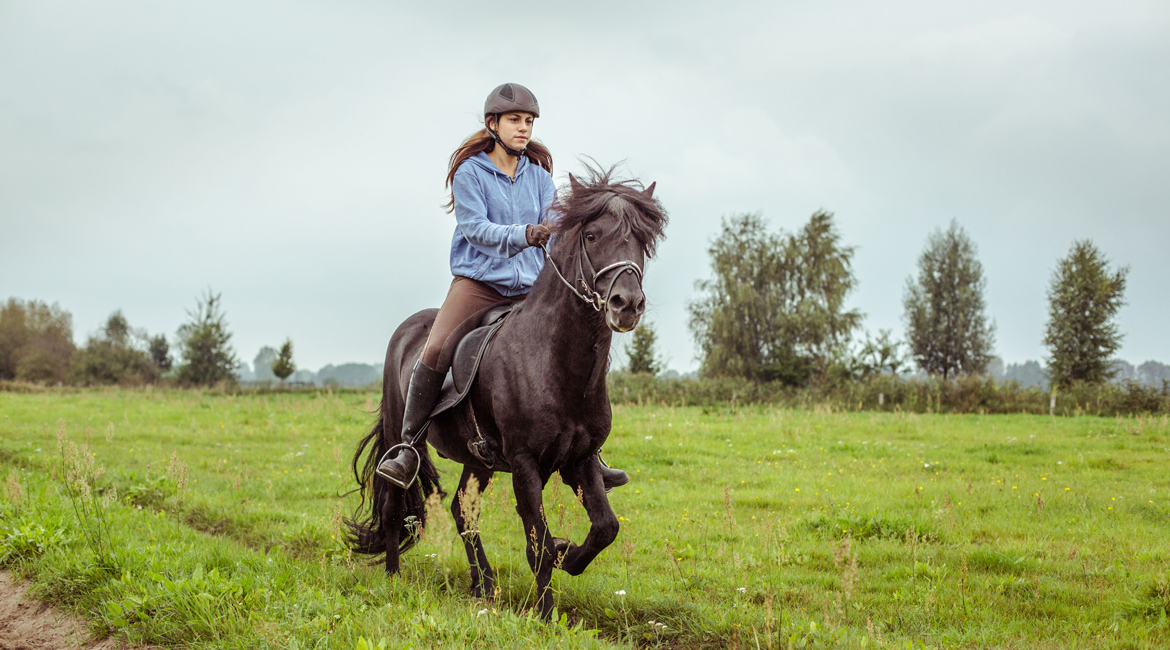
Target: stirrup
386	456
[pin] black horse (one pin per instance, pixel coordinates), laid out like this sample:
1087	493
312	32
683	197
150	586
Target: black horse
540	399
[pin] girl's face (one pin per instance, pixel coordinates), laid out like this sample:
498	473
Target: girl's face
515	129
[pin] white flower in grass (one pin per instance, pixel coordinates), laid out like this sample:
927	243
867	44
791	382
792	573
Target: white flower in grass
481	612
742	590
620	592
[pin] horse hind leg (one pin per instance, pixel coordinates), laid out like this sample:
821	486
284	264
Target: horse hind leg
465	508
393	523
380	531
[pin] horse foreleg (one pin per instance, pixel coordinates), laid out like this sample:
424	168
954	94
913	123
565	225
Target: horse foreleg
528	487
585	480
467	504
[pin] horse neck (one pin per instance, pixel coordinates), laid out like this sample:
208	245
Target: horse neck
570	331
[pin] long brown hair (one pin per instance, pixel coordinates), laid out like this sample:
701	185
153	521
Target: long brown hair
481	140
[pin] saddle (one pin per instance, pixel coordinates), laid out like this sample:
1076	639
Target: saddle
466	351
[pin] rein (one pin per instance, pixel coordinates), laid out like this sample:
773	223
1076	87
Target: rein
594	299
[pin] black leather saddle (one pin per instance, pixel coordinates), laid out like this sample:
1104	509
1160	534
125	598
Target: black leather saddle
465	352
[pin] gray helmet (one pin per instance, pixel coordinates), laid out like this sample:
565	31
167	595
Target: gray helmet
509	98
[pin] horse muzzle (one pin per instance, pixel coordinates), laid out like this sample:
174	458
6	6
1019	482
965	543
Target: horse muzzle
624	308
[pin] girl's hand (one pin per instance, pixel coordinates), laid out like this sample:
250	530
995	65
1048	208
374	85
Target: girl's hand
537	235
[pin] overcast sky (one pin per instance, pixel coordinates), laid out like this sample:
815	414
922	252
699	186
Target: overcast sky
291	155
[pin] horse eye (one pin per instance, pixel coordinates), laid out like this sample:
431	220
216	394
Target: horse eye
589	237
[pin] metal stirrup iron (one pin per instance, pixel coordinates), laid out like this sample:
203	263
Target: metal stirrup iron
390	454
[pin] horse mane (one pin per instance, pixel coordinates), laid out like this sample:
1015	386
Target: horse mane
599	193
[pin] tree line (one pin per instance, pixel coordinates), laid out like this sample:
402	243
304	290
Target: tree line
774	310
36	345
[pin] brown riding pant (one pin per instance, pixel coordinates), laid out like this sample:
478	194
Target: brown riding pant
466	299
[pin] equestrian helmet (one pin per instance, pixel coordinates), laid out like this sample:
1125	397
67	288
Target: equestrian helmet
511	98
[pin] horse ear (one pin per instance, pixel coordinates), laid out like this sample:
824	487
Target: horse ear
649	191
574	185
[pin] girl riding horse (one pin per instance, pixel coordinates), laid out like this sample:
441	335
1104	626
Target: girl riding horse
501	189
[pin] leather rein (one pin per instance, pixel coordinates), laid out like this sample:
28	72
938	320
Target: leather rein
591	295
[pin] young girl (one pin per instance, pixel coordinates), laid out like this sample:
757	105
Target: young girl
501	189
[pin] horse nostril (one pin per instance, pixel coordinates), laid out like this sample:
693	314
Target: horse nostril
617	302
640	306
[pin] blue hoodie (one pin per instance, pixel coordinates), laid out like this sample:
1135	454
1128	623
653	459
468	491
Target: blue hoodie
493	212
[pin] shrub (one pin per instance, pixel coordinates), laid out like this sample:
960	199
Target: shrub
968	394
116	355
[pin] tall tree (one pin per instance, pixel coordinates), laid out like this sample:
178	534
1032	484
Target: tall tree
947	331
160	353
774	309
1083	299
14	335
284	366
36	341
643	357
205	344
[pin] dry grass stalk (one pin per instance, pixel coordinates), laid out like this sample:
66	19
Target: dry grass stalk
470	506
627	548
768	620
437	527
179	473
729	506
81	474
339	532
846	560
12	488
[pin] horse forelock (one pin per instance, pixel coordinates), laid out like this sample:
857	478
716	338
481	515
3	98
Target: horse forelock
600	194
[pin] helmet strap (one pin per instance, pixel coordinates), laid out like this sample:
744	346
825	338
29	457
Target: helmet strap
515	153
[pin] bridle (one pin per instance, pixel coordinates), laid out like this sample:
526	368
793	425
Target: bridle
594	299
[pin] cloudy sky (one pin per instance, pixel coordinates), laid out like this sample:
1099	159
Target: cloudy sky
291	155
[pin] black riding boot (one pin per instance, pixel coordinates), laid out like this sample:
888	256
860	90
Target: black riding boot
421	394
611	477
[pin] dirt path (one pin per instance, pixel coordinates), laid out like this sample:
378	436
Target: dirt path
33	625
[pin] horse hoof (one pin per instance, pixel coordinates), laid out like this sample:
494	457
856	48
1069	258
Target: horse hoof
486	594
561	546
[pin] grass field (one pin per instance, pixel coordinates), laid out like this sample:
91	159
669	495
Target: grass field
752	527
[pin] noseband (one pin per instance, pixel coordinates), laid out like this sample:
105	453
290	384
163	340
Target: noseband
591	296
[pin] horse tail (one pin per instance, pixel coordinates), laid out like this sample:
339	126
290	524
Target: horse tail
367	533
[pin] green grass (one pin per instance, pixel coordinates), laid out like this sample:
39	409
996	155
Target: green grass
751	527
